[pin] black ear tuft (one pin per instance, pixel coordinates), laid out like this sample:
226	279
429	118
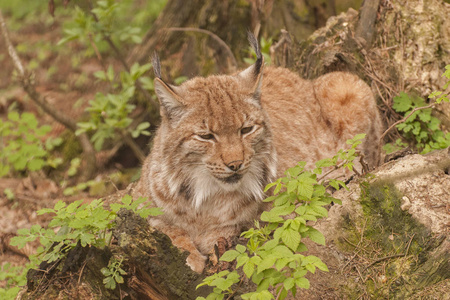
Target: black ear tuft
156	65
255	45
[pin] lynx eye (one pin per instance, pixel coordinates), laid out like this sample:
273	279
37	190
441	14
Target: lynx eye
208	136
246	129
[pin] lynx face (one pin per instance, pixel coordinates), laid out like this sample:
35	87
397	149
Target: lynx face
223	138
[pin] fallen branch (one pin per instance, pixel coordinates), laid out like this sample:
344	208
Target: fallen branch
41	101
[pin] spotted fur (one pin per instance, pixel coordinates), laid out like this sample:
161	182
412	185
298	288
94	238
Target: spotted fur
223	138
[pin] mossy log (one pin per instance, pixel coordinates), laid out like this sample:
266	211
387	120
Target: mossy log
155	269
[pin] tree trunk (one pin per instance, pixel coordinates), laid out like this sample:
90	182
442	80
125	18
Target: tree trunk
191	53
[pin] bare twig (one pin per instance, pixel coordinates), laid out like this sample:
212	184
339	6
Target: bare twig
386	103
214	37
41	101
356	246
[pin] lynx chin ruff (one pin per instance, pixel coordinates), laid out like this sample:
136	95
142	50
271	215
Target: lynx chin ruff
224	137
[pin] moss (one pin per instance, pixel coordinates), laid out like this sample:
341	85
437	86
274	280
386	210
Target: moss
387	223
379	268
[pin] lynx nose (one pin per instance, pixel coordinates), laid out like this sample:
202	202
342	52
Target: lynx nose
235	165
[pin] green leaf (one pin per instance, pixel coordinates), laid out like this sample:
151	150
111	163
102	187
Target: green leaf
321	211
266	263
109	283
281	263
323	163
425	115
306	186
282	251
222	283
310	268
270	217
291	186
289	283
242	259
302	283
127	200
154	211
270	244
249	269
240	248
291	238
14	116
402	103
59	205
316	236
321	266
229	255
257	277
100	75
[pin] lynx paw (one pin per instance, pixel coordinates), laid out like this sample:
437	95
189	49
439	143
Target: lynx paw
196	261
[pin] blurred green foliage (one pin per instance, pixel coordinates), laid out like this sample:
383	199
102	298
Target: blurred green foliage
22	146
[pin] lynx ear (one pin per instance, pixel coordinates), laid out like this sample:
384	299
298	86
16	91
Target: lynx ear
171	104
252	76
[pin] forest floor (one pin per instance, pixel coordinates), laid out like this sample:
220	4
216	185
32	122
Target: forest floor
64	74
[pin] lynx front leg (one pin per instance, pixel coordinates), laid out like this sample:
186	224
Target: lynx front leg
195	260
180	239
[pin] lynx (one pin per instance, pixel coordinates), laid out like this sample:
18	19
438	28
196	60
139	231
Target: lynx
224	137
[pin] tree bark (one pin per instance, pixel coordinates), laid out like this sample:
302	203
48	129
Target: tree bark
191	53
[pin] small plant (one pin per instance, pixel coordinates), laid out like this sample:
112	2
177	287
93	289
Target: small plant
440	95
113	273
419	126
14	277
78	222
272	258
110	113
21	147
101	22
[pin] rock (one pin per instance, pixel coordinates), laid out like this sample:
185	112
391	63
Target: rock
390	235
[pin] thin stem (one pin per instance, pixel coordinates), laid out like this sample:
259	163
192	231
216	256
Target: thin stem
330	171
